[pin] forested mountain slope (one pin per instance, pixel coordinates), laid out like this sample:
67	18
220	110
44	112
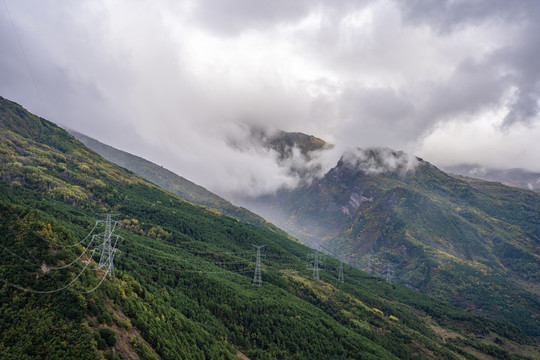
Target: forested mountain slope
183	276
512	177
168	180
468	242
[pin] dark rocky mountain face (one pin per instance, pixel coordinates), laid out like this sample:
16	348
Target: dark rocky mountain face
464	241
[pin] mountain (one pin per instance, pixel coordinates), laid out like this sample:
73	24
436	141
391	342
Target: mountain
285	142
182	287
512	177
294	152
170	181
282	142
465	241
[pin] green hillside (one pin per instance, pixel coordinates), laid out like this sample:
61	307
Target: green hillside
471	243
182	286
512	177
168	180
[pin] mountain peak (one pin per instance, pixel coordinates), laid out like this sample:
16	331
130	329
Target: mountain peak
282	142
378	160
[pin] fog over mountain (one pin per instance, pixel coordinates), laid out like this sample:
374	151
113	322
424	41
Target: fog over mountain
511	177
174	81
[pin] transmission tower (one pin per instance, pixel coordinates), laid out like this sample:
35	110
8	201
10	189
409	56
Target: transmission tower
389	272
257	277
315	263
369	264
107	249
340	275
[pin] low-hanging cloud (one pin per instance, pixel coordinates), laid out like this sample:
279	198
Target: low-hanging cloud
380	161
173	81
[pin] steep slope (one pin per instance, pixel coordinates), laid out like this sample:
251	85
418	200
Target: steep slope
468	243
512	177
170	181
182	285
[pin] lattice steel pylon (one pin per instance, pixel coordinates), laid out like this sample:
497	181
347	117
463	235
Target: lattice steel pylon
257	277
340	274
315	262
389	272
107	249
369	268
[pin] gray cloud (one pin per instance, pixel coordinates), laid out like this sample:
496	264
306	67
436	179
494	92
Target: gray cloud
233	16
379	160
519	59
173	80
376	116
447	15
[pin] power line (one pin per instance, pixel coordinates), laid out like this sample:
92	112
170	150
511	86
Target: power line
72	245
26	60
161	266
316	263
194	251
74	261
107	250
94	288
369	264
340	274
47	291
191	261
18	256
217	263
257	277
389	272
176	258
107	263
52	267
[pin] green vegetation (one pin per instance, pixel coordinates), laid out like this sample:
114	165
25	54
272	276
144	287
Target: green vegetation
170	181
182	288
471	243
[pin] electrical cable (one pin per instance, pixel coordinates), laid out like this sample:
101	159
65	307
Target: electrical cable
51	267
20	257
157	265
63	266
47	291
92	290
72	245
205	263
74	261
191	250
168	257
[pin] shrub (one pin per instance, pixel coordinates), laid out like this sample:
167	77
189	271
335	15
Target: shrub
109	335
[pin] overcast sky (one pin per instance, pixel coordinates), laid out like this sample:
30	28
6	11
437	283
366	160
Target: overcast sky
451	81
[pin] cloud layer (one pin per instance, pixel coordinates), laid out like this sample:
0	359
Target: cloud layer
172	81
379	160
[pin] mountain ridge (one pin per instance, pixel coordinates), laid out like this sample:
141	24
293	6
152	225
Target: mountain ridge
182	287
516	177
171	181
429	225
